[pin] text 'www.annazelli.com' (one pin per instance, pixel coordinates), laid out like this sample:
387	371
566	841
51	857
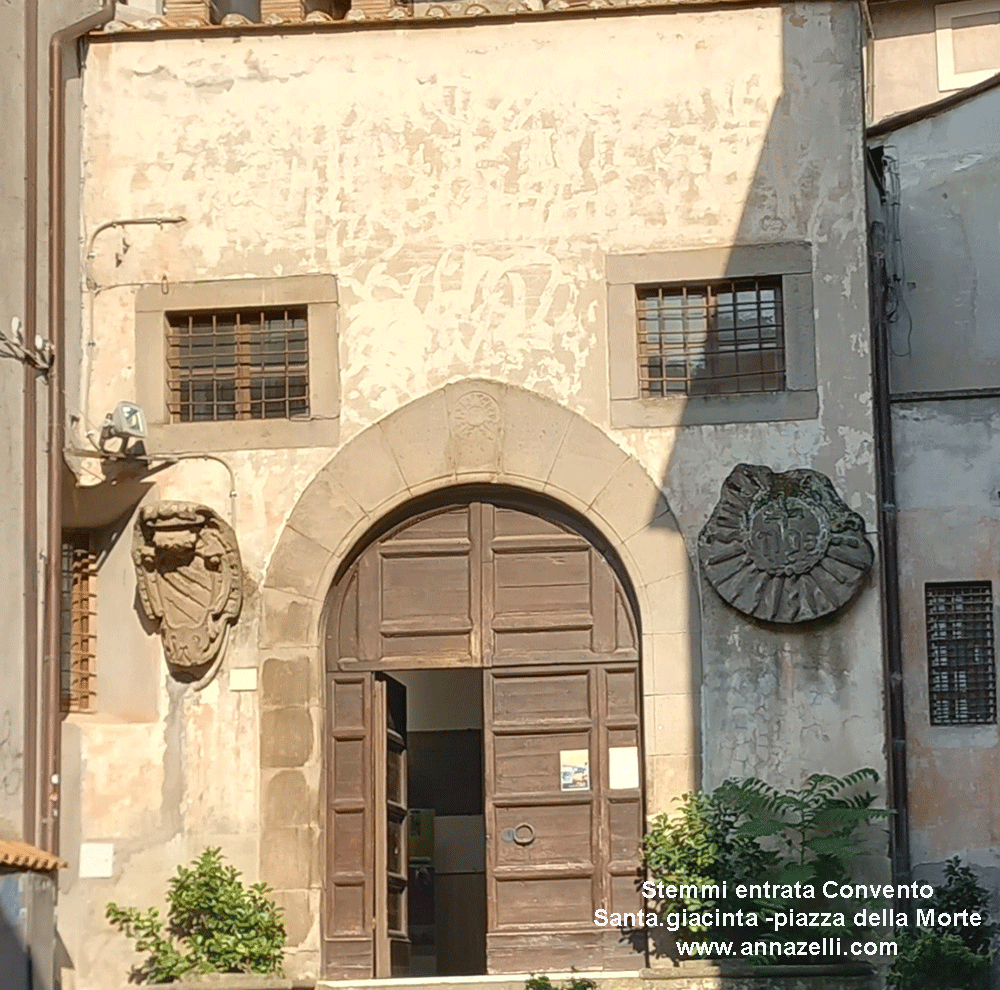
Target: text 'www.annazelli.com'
825	947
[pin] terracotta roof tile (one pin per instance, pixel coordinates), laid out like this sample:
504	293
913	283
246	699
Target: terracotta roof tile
22	856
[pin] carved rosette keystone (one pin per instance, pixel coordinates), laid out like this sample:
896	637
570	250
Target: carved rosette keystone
190	581
784	547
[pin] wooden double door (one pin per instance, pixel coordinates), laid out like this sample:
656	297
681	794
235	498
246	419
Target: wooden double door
524	596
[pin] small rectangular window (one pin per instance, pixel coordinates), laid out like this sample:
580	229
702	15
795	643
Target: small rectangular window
714	338
960	654
238	365
79	623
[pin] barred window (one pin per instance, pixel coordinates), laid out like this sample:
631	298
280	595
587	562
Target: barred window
961	660
78	680
712	338
238	365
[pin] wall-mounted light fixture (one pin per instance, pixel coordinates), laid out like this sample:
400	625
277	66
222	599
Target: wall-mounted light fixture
127	422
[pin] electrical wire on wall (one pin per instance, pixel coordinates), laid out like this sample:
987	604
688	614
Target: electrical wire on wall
92	289
897	314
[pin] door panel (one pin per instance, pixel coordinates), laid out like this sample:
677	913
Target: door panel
392	939
563	813
347	930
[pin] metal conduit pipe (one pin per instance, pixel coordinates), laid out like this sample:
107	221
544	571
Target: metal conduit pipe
892	654
59	46
29	461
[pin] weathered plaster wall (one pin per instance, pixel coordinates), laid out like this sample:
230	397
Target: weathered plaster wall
948	219
464	184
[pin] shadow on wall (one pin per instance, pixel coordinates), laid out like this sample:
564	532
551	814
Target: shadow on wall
16	967
755	675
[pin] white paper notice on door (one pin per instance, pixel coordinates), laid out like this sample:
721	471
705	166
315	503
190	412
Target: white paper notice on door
623	768
574	770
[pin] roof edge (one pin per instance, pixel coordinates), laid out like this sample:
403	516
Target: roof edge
18	855
928	110
439	14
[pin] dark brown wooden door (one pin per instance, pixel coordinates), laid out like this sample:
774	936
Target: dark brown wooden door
526	596
392	942
349	902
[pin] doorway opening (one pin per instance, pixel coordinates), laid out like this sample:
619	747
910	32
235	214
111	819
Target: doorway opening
447	840
482	664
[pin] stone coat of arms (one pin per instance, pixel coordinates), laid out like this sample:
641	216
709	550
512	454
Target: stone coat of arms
190	581
784	547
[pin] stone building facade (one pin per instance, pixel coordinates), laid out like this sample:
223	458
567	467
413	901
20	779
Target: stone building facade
474	489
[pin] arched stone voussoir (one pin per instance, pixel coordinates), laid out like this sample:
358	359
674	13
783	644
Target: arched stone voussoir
288	620
630	503
473	431
297	565
325	512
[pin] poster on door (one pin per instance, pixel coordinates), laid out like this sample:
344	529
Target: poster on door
574	770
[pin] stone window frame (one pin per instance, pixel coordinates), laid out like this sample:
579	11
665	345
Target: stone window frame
318	293
625	273
945	15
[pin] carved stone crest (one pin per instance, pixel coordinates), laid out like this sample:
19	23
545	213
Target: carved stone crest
784	547
189	575
476	416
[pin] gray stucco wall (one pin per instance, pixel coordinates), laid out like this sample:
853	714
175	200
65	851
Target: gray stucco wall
948	335
948	487
947	338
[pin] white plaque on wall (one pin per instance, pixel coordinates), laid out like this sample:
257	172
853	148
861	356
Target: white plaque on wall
623	768
96	859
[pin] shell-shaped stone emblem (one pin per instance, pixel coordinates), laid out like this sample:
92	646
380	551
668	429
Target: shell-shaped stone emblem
784	547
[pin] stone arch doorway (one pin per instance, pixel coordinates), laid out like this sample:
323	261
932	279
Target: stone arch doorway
505	616
473	432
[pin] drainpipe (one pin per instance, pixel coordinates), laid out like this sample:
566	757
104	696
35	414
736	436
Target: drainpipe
892	653
29	469
59	46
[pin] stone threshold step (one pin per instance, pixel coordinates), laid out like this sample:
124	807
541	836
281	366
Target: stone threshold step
510	981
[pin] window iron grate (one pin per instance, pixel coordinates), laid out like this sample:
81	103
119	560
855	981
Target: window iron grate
78	673
960	653
238	365
711	339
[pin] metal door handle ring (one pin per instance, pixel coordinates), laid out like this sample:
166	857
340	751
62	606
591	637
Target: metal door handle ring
531	834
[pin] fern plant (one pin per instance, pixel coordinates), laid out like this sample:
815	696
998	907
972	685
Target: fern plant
214	924
748	832
815	826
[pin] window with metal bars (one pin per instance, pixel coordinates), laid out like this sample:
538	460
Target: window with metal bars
960	654
78	684
712	338
238	365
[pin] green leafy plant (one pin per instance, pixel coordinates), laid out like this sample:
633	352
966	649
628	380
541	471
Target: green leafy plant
940	958
214	924
702	845
542	982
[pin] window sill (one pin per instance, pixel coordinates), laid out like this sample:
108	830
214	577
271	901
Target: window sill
254	434
707	410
